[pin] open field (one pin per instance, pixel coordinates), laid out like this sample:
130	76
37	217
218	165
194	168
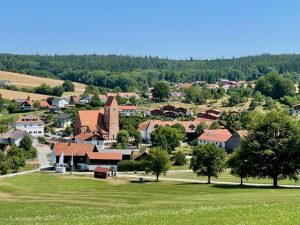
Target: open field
38	199
28	81
8	94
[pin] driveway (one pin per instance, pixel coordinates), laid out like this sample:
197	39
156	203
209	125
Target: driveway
43	152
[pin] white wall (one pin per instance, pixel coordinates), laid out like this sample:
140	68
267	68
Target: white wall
35	130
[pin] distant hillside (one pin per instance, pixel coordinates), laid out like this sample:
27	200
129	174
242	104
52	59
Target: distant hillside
137	73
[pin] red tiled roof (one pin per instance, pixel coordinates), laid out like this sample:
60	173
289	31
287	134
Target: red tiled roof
217	135
101	169
86	136
91	119
127	107
103	97
105	155
44	104
77	149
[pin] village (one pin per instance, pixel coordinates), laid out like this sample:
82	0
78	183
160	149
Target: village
113	137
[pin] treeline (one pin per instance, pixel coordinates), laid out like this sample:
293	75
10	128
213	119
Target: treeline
137	73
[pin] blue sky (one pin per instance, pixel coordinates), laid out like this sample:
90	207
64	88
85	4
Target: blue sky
167	28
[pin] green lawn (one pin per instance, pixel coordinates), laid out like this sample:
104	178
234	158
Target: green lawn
38	199
225	176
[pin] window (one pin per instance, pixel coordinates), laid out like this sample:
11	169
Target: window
35	132
40	132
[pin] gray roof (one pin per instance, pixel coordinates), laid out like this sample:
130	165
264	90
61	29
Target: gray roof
13	134
63	116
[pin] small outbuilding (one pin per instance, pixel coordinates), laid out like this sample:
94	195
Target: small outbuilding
103	173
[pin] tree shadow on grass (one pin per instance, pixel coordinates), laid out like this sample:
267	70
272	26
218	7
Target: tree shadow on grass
238	186
144	181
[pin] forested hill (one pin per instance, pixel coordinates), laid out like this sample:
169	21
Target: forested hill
137	73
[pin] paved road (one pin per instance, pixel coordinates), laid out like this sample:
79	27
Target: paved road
43	152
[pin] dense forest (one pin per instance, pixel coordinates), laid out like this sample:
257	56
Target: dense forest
137	73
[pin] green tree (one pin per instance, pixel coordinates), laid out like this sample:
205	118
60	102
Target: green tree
4	164
208	160
253	104
166	137
200	128
123	138
157	162
137	136
68	85
161	90
238	165
180	128
26	143
16	157
214	125
37	104
272	147
96	101
179	159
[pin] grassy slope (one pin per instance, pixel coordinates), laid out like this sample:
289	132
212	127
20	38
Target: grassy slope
33	199
22	80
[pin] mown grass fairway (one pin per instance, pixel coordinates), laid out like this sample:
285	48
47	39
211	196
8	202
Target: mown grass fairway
38	199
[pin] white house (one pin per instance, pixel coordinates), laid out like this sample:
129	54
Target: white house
217	136
127	110
32	124
60	102
90	138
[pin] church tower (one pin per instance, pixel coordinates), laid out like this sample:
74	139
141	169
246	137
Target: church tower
111	117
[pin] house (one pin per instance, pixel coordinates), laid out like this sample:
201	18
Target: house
63	120
181	111
127	110
296	109
212	114
157	112
147	127
168	108
90	138
213	86
27	105
77	150
126	153
5	83
235	139
218	136
31	124
13	136
44	104
103	173
103	159
85	99
104	122
103	98
169	111
60	102
141	155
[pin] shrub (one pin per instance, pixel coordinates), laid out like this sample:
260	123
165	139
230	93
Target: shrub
131	165
179	159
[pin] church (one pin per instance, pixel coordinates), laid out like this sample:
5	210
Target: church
104	122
